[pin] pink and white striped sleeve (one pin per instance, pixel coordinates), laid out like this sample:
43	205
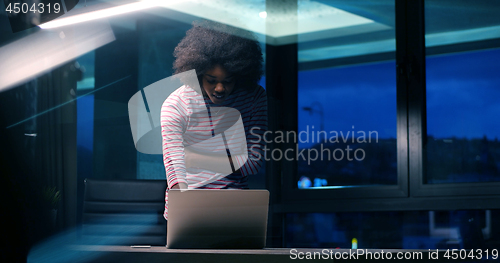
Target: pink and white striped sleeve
257	126
173	120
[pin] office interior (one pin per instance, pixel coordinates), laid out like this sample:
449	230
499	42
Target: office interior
393	104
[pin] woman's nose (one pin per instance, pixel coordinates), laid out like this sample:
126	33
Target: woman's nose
219	87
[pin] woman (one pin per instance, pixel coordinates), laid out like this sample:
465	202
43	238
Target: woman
228	64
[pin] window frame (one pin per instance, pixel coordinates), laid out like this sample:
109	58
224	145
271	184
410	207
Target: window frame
410	193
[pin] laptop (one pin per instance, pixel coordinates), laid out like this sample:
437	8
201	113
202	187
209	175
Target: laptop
225	219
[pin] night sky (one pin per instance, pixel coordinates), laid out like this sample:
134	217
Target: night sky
463	91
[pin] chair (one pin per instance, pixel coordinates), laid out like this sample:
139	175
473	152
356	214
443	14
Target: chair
124	212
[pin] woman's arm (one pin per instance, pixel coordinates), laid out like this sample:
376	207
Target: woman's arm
214	162
257	126
173	120
180	186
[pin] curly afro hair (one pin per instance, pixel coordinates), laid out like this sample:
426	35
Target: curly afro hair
209	43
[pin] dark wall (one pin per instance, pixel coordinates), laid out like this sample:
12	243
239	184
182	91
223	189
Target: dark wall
22	215
37	152
114	151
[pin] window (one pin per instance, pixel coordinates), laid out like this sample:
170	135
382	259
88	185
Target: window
347	126
462	105
346	138
462	90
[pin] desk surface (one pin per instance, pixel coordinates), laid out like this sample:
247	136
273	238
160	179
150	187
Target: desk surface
123	254
162	254
265	251
160	249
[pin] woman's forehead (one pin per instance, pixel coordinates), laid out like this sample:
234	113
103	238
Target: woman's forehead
218	72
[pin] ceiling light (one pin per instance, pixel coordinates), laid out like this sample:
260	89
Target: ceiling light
309	20
98	14
40	52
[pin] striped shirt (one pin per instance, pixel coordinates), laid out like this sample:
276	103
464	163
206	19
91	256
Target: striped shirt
190	120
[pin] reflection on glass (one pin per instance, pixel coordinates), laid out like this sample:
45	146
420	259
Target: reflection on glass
85	115
461	229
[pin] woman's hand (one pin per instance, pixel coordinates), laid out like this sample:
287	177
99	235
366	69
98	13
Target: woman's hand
179	186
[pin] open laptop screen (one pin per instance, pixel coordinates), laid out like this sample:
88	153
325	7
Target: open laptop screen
204	218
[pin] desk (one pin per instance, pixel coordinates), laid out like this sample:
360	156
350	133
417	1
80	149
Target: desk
123	254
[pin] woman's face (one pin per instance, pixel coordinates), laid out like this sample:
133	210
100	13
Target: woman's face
218	84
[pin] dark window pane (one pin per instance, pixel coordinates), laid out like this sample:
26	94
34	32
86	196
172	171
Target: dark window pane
462	92
358	116
347	99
